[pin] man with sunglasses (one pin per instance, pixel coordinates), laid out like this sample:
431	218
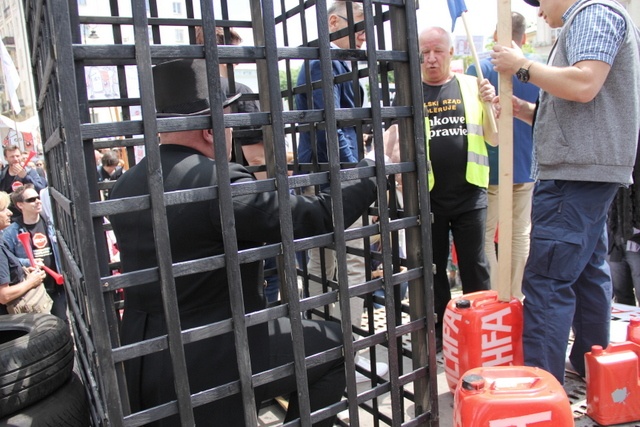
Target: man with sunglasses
344	93
43	241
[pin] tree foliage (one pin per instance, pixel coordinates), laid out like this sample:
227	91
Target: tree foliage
283	78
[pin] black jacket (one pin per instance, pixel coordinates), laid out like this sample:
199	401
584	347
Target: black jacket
195	232
32	177
624	216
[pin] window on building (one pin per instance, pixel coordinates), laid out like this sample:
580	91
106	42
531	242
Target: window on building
179	35
177	8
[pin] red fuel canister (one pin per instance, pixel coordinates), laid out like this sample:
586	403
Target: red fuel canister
479	330
633	330
613	383
511	396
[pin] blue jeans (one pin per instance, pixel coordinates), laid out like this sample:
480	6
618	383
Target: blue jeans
404	286
566	280
272	280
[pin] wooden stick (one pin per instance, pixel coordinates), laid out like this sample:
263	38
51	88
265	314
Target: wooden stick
505	161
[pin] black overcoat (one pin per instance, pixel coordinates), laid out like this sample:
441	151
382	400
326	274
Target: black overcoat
195	231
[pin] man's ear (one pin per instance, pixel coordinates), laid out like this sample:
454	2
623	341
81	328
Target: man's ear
207	135
332	22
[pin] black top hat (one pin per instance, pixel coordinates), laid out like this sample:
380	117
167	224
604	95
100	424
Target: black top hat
181	88
533	2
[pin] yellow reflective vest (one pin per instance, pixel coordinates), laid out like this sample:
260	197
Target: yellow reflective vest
477	156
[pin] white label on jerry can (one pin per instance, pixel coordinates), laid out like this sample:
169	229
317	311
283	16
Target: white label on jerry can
524	421
497	340
450	345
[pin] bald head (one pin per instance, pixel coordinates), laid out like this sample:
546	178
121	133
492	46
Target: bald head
436	50
436	32
339	7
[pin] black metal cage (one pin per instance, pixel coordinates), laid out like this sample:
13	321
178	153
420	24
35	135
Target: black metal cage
76	120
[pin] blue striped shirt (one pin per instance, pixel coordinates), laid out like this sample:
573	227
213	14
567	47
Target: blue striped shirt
595	34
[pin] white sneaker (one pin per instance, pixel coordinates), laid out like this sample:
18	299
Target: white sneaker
381	369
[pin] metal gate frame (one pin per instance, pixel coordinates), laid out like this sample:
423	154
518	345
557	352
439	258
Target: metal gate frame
59	57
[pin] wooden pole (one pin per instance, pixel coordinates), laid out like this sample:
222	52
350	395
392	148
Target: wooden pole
476	61
505	160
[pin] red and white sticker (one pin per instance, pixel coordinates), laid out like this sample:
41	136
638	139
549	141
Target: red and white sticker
39	240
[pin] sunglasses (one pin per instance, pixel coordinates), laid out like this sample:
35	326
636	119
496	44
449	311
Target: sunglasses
358	33
31	199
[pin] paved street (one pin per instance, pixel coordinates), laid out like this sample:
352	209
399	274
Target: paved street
574	385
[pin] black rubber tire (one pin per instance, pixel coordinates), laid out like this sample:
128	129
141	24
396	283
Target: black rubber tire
66	407
36	358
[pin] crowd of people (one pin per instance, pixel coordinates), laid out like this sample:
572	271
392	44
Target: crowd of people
22	281
576	131
30	264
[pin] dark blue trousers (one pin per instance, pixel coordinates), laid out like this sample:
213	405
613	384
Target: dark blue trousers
567	281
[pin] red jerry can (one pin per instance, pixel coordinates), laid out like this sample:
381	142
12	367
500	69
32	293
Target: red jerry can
613	383
633	330
479	330
511	396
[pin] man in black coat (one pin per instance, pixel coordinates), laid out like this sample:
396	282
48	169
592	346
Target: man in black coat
195	229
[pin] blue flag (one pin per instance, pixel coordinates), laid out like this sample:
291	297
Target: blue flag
456	7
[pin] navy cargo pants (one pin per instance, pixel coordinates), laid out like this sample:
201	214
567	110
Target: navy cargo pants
566	280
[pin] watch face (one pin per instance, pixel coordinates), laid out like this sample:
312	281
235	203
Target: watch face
523	75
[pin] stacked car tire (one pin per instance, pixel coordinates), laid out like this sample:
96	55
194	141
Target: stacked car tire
38	387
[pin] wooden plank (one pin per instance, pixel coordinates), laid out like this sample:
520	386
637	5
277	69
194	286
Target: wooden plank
505	160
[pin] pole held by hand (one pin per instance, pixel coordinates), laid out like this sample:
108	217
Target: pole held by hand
476	60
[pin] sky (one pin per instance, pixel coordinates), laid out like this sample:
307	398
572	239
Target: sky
481	16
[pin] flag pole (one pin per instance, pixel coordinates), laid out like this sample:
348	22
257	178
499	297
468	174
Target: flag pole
19	138
487	105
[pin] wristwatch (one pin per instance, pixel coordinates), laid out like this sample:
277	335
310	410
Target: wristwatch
523	73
